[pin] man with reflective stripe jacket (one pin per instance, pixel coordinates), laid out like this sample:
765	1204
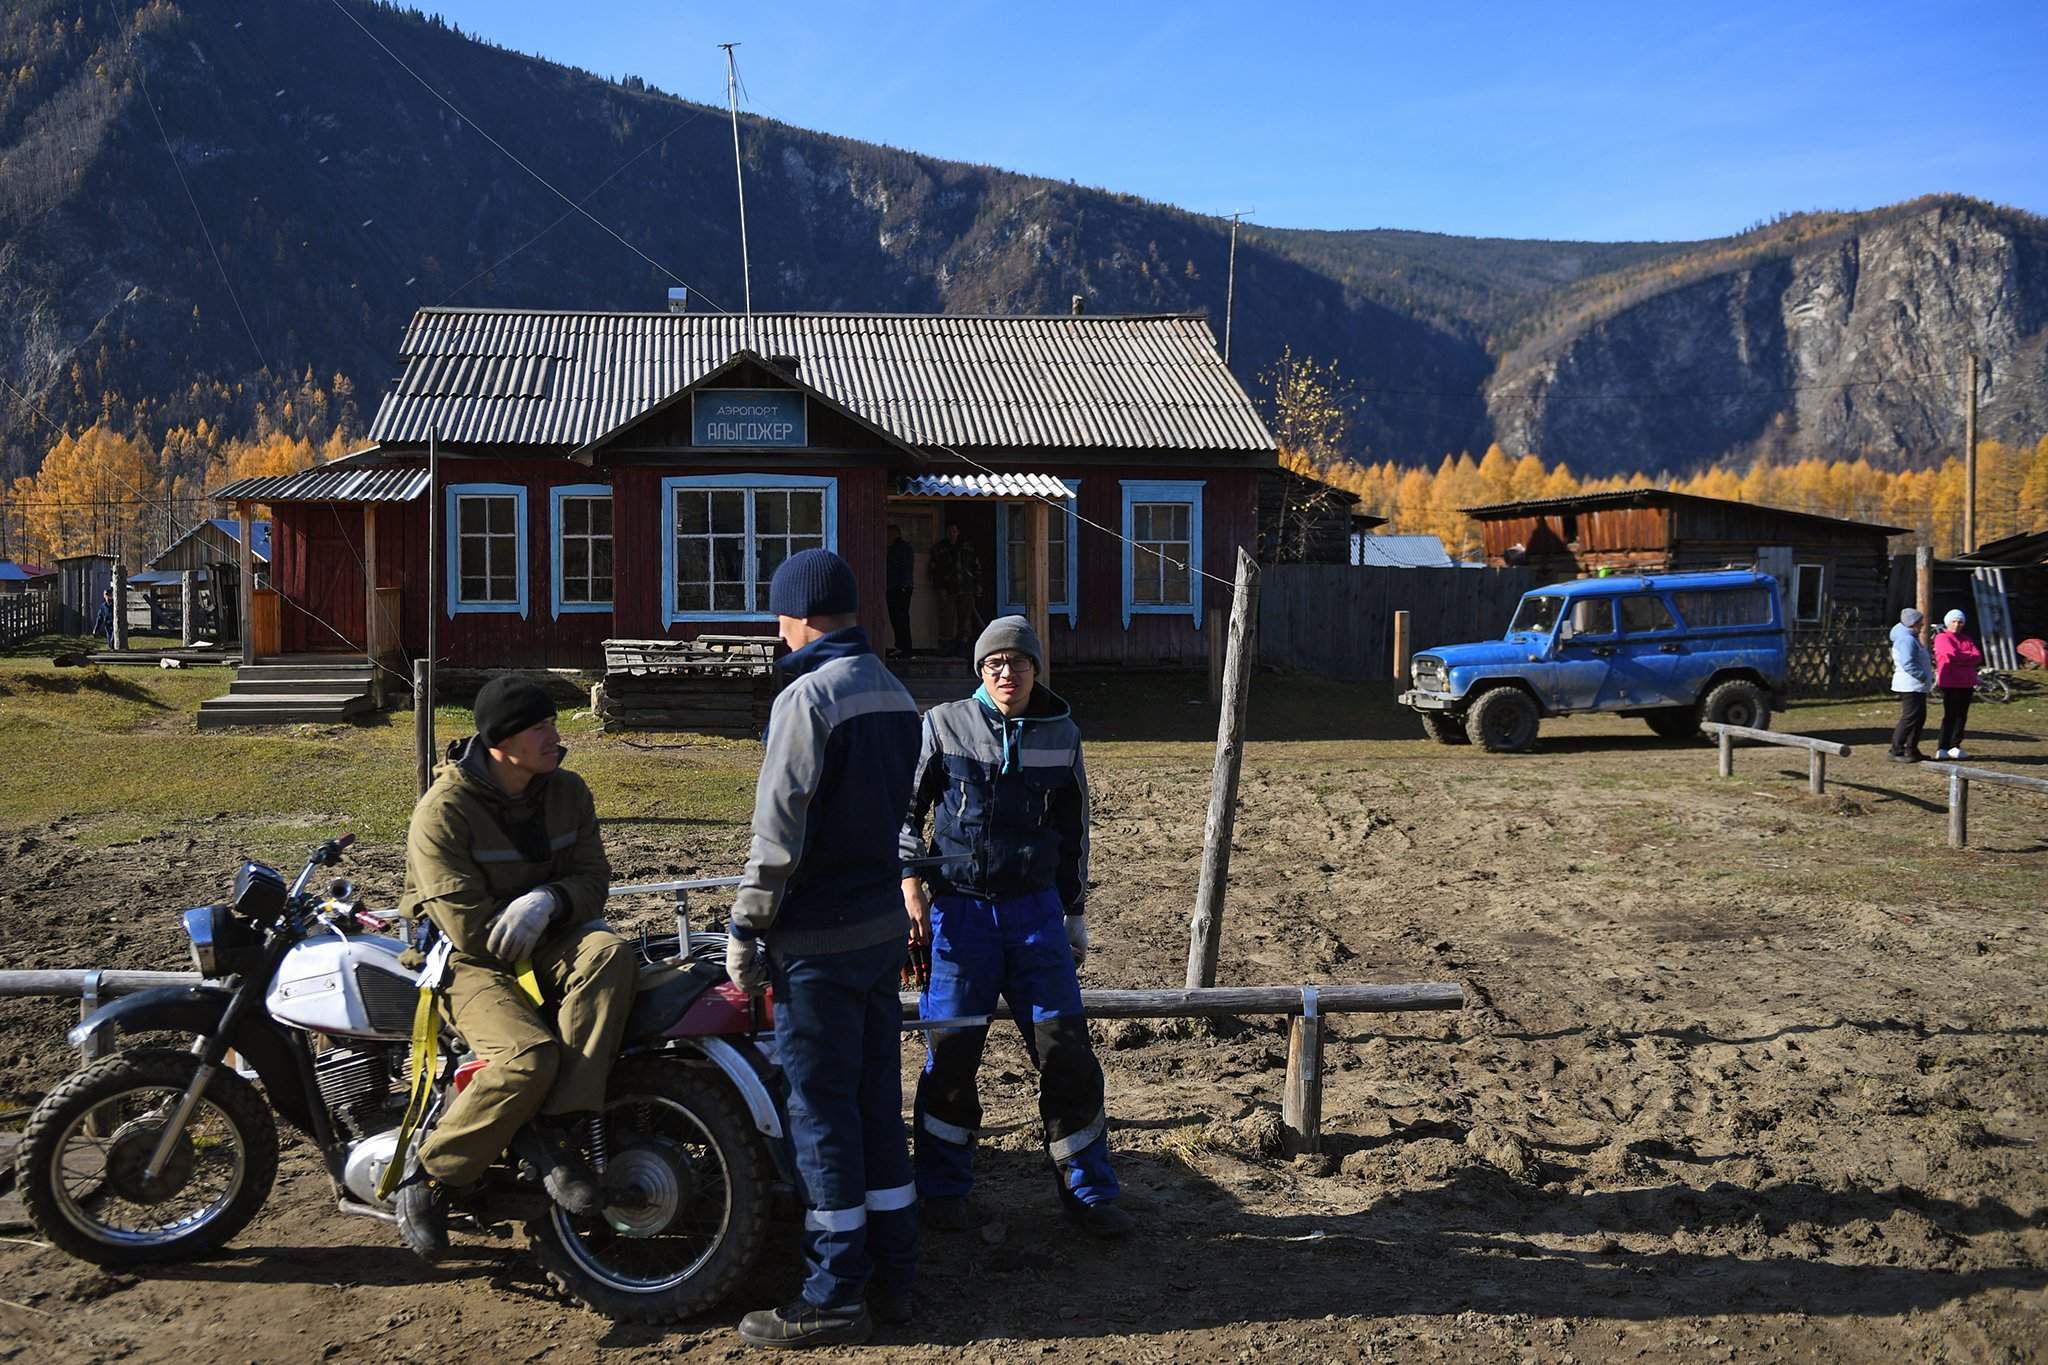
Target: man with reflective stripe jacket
820	891
1001	774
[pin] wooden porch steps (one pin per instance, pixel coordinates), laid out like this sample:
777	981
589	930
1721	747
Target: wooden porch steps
291	693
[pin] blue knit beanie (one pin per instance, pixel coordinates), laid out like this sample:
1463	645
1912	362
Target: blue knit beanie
813	583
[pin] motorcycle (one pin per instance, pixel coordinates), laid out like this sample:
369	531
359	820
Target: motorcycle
154	1154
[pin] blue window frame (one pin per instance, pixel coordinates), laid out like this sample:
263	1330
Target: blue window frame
486	536
723	535
581	518
1162	548
1062	568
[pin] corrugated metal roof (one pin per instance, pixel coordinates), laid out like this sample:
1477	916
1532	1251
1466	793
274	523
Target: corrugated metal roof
329	485
1403	552
1652	497
486	376
984	486
11	572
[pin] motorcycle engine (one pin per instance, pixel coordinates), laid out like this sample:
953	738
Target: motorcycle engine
362	1085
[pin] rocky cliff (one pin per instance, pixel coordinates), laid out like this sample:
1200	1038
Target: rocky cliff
1855	343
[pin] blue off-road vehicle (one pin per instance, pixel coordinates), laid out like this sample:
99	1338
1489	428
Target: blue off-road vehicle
1675	649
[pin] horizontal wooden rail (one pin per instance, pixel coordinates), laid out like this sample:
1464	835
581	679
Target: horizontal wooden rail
1817	750
1959	780
1301	1104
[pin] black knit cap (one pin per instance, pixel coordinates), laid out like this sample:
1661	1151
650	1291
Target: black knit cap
508	704
813	583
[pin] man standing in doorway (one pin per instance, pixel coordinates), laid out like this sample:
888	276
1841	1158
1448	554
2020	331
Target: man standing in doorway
1010	920
901	585
822	890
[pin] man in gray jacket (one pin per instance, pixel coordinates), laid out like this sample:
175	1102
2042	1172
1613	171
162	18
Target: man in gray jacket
1912	676
822	891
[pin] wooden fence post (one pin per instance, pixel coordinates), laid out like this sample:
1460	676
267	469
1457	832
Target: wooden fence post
1727	754
188	605
1958	810
1816	771
1205	932
1404	643
422	726
120	621
1301	1106
1923	584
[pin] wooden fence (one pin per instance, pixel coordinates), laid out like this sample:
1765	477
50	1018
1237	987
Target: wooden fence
1339	619
23	616
1838	663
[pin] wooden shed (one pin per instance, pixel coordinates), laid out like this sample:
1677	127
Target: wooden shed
1833	572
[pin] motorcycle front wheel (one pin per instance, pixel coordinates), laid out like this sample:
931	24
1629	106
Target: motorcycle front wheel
687	1185
83	1165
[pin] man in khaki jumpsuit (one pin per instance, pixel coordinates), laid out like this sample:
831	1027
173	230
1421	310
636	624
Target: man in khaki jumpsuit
505	858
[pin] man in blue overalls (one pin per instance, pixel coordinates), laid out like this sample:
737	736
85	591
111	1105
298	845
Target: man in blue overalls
1002	771
820	891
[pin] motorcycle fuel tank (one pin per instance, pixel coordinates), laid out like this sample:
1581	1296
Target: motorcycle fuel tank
352	986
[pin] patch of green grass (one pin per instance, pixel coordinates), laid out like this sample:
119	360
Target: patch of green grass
121	748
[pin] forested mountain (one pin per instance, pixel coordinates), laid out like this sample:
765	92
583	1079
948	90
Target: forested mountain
154	154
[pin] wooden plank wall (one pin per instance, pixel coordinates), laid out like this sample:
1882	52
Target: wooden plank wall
1339	620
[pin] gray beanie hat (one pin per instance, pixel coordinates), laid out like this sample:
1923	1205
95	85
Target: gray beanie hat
1009	632
1911	617
1954	614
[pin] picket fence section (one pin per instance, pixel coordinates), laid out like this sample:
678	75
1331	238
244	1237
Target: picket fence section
23	616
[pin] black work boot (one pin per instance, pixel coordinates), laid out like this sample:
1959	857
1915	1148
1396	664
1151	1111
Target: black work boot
562	1173
423	1214
802	1323
1105	1220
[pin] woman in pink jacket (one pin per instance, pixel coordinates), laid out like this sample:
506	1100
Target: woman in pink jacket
1955	672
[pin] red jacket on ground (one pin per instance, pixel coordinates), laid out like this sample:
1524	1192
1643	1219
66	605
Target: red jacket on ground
1955	660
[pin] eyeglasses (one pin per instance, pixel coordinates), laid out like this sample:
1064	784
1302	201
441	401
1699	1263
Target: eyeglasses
1013	663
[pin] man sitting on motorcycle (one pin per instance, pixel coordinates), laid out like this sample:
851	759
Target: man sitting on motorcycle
504	856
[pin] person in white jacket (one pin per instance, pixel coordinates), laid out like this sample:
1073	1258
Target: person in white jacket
1912	676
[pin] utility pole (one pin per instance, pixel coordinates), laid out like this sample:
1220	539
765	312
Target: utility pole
732	97
1970	462
1230	283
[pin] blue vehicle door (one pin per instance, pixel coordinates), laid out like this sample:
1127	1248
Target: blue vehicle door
1580	660
1650	666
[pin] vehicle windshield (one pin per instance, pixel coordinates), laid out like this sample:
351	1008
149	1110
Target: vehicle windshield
1536	616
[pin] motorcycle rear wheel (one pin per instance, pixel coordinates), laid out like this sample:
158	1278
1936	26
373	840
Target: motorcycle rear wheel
82	1164
677	1134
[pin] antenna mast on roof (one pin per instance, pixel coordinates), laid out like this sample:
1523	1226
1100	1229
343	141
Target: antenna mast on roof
1230	288
732	96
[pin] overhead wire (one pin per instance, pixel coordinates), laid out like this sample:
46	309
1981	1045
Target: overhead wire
507	152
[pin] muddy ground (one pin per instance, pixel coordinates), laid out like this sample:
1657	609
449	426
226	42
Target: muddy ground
1744	1075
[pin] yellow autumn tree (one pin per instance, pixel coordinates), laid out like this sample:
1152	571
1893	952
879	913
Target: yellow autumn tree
96	493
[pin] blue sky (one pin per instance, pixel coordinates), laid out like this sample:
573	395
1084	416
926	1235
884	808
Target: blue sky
1561	120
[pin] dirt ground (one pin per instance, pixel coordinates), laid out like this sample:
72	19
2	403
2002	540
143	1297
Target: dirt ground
1744	1075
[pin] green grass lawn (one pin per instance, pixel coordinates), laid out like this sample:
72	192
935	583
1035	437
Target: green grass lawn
119	748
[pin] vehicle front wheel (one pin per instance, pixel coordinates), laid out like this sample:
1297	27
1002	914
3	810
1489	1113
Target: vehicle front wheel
1503	721
1737	702
1442	728
1675	722
83	1167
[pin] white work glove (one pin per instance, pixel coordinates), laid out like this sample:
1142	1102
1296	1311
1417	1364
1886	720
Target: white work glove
518	927
745	964
1077	937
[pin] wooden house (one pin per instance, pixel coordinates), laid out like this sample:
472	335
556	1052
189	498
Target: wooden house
25	577
639	476
1831	571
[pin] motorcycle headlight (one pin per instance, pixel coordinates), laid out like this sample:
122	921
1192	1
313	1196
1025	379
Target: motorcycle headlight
203	925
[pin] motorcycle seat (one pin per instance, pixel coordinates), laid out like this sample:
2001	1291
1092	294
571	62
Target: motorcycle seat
666	990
